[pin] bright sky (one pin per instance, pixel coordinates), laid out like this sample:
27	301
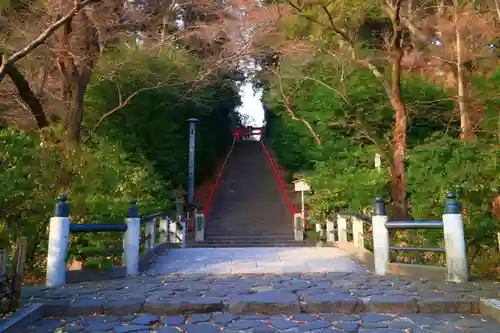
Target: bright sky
251	105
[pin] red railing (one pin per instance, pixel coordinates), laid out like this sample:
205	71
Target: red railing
281	183
215	185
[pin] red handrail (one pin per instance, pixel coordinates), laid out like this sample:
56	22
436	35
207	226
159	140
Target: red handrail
210	201
281	183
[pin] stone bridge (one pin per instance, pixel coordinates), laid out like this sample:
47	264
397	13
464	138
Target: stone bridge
246	265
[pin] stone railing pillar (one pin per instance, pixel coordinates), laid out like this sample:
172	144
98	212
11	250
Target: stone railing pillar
183	231
456	255
150	233
342	228
330	229
58	244
131	240
199	226
358	232
172	232
320	232
380	238
163	229
298	226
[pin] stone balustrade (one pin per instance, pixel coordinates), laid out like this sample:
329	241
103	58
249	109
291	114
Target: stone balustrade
152	233
349	232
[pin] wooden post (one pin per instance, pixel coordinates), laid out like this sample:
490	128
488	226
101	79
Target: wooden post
4	283
3	262
17	279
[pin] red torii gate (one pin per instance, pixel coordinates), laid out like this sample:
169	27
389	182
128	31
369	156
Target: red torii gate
241	132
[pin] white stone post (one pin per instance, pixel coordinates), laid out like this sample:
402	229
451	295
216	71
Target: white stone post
172	235
58	245
380	238
151	234
131	240
298	226
183	231
456	254
342	228
163	230
319	232
330	226
200	227
358	232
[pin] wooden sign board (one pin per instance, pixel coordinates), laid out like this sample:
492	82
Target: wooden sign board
301	185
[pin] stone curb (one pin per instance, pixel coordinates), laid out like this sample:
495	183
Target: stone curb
490	308
269	304
24	316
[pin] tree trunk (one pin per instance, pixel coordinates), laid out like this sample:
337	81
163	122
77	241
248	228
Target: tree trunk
78	55
398	179
74	114
497	7
27	95
466	128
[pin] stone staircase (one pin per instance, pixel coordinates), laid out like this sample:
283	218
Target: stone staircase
249	210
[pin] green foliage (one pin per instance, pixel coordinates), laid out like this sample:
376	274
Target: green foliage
99	180
356	124
139	151
469	169
154	122
487	89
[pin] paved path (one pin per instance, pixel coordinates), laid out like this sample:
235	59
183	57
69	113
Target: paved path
286	293
315	293
321	323
274	260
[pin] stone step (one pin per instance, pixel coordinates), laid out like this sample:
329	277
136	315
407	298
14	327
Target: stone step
218	245
248	243
249	201
249	236
234	222
263	233
248	231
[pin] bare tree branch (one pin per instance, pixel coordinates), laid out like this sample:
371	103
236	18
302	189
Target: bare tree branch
42	37
124	103
288	107
26	94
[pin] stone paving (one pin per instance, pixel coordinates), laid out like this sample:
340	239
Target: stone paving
312	293
279	294
254	260
259	323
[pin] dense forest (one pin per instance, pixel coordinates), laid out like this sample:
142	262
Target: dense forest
99	110
95	96
414	82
